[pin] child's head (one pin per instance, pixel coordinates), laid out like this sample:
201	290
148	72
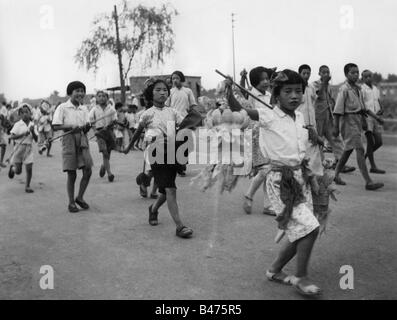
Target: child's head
324	72
25	112
305	71
177	78
366	77
260	78
157	92
45	106
118	106
351	72
132	108
76	90
102	98
288	89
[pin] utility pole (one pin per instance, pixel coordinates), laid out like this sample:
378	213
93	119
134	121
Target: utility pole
122	83
234	59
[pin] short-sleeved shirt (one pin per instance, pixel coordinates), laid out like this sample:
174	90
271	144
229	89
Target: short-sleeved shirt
349	99
371	98
98	112
160	119
132	119
181	100
324	102
255	104
307	106
285	139
20	127
69	115
4	111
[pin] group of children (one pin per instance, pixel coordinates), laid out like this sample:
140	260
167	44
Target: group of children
289	136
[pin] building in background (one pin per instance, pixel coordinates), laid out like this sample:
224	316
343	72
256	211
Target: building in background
388	90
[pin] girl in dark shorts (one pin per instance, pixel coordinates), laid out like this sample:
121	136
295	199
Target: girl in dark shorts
159	123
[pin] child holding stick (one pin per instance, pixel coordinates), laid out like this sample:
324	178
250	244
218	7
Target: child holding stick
72	117
287	182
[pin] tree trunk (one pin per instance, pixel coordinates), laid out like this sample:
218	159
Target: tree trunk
122	83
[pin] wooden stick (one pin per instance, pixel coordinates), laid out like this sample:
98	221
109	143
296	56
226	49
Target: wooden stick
15	149
245	90
69	132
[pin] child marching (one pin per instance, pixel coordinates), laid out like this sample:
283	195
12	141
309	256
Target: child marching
44	120
23	134
287	183
72	117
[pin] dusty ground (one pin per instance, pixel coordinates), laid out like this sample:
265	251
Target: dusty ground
111	252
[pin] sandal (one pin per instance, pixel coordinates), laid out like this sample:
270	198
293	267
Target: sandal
309	290
153	221
247	205
73	208
102	171
29	190
280	277
269	212
184	232
84	205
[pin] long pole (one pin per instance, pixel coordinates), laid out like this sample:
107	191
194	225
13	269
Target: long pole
122	84
234	58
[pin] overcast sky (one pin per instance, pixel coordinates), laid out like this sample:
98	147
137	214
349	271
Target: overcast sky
283	33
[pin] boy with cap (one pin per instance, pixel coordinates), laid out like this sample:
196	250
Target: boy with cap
72	117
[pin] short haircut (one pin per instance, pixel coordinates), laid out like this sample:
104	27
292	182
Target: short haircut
24	106
323	67
148	93
286	77
304	67
105	93
348	67
118	105
366	70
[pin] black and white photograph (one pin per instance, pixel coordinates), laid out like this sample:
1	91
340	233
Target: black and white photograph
198	154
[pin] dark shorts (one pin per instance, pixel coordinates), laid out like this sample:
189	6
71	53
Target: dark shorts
75	157
164	176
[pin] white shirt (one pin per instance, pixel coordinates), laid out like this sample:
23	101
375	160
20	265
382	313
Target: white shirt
284	138
20	127
371	98
4	111
160	119
69	115
255	104
181	100
132	119
98	112
44	122
307	106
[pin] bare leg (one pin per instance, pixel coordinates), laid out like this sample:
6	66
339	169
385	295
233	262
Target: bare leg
2	153
159	202
84	183
304	250
255	184
70	186
362	165
173	206
49	145
106	163
342	162
285	255
29	173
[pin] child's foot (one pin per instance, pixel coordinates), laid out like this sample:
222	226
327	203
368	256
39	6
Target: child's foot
373	186
184	232
143	191
247	205
306	287
3	165
269	212
339	181
376	170
11	172
29	190
347	169
153	220
111	177
49	155
102	171
84	205
280	277
73	208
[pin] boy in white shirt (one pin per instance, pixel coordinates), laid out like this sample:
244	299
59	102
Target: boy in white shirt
23	134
